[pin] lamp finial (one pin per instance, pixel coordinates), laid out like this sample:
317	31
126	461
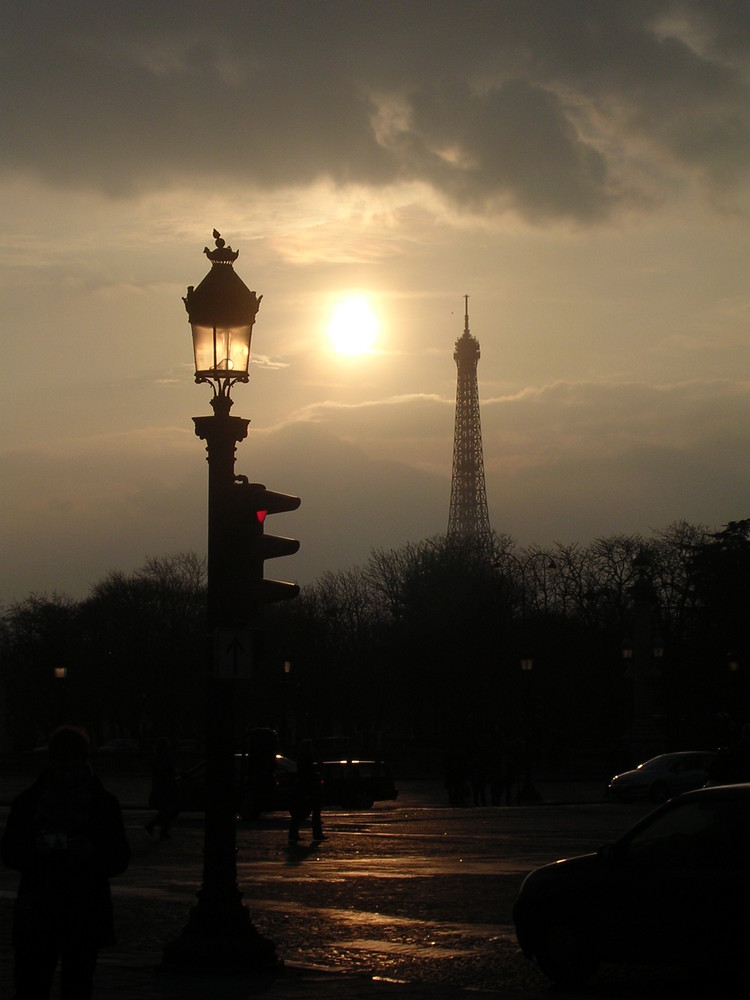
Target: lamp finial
222	254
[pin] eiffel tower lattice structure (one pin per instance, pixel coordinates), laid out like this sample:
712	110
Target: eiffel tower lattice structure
468	515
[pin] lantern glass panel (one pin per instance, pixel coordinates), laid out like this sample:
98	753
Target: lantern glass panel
222	350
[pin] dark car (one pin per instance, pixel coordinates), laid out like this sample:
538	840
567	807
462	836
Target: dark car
355	783
662	777
256	793
673	890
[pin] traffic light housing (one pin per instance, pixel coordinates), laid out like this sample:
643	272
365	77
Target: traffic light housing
252	505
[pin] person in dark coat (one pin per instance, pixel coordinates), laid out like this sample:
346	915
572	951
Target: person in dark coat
307	795
66	836
164	791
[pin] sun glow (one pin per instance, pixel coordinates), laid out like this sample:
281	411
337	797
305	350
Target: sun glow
353	327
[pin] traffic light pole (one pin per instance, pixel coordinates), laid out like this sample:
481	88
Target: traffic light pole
219	935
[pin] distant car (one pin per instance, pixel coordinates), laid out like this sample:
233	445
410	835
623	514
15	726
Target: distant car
673	890
355	783
662	777
255	793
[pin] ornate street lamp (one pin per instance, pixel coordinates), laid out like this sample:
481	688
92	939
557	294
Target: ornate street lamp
221	312
219	935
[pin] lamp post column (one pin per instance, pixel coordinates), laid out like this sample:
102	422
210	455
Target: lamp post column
219	893
219	934
645	738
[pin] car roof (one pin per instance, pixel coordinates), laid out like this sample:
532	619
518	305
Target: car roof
740	790
726	792
677	755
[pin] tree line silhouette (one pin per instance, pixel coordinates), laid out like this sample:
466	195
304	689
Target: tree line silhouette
422	646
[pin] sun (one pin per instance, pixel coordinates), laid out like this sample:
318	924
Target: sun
353	327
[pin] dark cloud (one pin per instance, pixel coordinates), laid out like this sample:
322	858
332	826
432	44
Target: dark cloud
513	140
555	109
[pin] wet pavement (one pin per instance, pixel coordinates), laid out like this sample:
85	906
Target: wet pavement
408	899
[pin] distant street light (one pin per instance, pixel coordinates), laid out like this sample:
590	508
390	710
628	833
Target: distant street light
645	652
536	568
219	935
736	689
528	792
289	728
60	686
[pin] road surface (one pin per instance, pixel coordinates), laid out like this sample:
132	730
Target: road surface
411	891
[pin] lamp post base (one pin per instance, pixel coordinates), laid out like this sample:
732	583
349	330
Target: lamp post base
221	939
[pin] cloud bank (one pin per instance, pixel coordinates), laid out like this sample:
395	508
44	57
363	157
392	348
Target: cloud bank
557	111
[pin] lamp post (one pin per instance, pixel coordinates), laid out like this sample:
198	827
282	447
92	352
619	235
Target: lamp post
219	935
60	682
533	619
527	791
643	654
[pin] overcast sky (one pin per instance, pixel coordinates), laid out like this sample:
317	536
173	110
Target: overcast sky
579	169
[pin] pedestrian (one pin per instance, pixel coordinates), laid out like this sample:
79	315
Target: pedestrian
164	791
66	836
478	781
306	799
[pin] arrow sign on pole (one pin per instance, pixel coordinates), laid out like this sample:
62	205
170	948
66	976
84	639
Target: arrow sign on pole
234	654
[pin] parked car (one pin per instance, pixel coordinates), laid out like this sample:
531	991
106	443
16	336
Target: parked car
662	777
355	783
119	746
673	890
256	792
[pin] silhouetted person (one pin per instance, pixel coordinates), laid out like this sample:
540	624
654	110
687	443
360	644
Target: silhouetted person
66	837
164	792
497	778
478	777
478	785
455	767
306	795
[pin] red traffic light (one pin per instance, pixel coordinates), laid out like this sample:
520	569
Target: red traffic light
254	504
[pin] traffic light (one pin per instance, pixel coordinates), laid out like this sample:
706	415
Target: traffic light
253	503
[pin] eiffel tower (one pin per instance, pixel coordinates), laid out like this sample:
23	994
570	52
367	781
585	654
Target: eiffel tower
468	515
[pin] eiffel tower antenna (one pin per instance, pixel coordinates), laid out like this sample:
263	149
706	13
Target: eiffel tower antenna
468	515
